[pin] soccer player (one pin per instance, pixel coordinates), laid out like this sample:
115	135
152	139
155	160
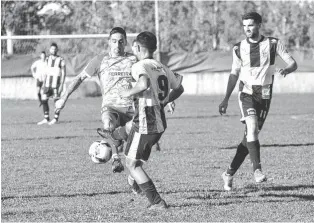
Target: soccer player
53	83
38	70
152	92
114	72
255	58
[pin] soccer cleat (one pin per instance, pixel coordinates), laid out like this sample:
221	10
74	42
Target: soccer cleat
45	121
117	166
159	206
259	176
227	181
53	121
134	186
109	138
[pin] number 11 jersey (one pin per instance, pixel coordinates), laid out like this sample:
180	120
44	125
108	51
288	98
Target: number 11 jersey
149	117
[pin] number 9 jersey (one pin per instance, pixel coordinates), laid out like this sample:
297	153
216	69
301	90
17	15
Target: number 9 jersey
149	117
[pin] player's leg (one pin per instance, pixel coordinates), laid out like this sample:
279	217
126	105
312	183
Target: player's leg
110	119
45	104
39	84
55	119
138	149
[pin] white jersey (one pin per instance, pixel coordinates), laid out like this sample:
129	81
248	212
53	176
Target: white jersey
39	69
257	61
149	114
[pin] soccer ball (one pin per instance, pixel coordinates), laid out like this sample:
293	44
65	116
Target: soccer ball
100	152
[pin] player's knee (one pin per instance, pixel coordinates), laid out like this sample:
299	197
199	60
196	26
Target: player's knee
132	164
108	125
44	97
128	127
251	128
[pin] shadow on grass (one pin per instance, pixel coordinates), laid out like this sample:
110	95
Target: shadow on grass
276	145
3	198
47	138
199	116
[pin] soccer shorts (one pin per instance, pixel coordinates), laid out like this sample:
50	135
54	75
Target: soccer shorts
113	117
39	83
51	92
254	105
139	146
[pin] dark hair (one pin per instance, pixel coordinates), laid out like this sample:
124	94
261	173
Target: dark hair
43	52
253	15
147	40
118	30
54	44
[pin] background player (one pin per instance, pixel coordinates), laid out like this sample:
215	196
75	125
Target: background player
255	57
114	72
38	70
53	84
152	92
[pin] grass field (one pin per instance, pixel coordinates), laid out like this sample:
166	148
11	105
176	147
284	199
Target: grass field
47	175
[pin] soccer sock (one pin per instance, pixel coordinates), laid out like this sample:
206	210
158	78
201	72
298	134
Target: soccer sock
238	159
46	109
254	151
151	192
57	113
120	133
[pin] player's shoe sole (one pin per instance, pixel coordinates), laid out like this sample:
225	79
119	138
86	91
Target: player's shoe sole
227	181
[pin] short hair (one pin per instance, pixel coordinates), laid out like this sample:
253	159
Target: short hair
147	40
117	30
54	44
43	52
253	15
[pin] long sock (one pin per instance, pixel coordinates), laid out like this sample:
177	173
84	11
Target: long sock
46	109
120	133
57	113
238	159
151	192
254	151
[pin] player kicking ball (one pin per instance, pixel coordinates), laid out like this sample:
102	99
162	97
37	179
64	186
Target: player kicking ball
255	57
152	92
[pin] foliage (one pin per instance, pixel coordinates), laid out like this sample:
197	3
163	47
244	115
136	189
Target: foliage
191	26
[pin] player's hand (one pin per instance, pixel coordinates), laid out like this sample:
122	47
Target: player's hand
59	104
171	107
223	107
282	72
124	94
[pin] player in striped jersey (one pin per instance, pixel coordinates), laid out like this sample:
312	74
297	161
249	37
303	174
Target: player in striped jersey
114	72
152	92
53	83
254	60
38	70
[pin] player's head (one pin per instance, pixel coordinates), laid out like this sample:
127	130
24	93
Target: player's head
134	45
53	49
146	43
117	41
43	55
251	24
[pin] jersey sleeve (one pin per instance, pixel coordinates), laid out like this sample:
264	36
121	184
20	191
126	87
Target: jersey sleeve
92	68
282	51
236	59
34	68
138	70
175	79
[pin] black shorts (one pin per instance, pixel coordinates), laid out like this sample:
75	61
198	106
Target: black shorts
39	83
139	146
256	104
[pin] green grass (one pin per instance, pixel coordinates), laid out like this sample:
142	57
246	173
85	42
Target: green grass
47	174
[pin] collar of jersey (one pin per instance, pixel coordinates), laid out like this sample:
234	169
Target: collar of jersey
262	38
117	56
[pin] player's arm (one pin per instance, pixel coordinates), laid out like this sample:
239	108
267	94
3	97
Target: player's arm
232	81
33	68
289	60
62	78
175	93
141	85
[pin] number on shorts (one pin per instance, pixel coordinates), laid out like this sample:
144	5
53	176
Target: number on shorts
163	86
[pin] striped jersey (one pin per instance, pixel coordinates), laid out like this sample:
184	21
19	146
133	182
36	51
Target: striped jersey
39	70
114	74
149	117
53	73
257	61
